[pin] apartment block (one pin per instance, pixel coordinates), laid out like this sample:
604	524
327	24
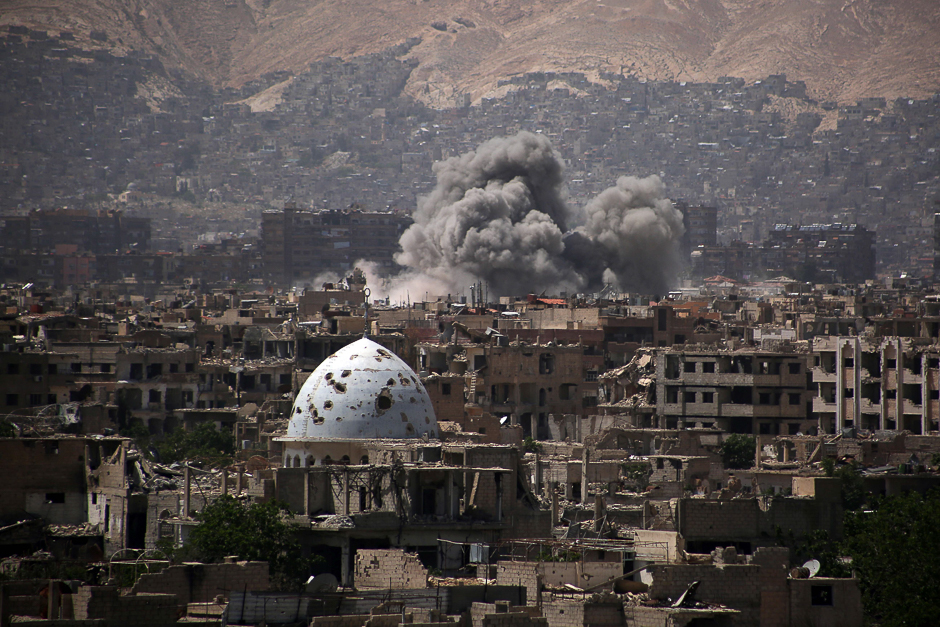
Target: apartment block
876	384
747	390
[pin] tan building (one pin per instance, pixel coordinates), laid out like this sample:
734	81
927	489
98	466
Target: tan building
741	391
872	385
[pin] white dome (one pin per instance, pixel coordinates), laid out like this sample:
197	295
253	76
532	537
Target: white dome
362	391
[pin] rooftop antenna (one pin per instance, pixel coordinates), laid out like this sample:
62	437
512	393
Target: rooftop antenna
366	293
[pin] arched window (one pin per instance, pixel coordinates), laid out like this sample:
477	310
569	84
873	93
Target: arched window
310	461
364	460
296	461
344	460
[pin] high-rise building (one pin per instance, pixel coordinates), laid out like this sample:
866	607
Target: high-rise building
840	253
299	245
701	226
90	231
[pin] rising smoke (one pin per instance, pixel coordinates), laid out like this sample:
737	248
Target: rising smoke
498	214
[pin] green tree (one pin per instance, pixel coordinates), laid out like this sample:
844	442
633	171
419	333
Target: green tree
737	451
854	492
257	532
204	441
893	547
531	445
638	474
817	545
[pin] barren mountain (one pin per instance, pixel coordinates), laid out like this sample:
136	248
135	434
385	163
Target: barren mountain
843	49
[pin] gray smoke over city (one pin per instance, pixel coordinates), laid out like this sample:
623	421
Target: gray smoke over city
498	215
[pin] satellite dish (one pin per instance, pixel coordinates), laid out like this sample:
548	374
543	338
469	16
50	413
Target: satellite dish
322	584
812	566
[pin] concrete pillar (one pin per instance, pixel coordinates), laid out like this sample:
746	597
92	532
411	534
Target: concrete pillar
224	482
345	575
187	483
585	460
307	492
534	425
53	609
240	470
450	493
467	486
598	513
498	478
554	497
538	474
345	492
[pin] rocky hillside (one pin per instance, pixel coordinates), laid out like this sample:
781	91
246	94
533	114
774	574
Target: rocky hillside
843	49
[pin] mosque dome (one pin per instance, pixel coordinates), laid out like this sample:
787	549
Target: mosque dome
362	391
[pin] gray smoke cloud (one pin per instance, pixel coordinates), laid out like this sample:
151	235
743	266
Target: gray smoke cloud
634	231
498	214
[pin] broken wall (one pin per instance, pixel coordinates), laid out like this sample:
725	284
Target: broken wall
107	604
752	519
389	568
202	583
45	477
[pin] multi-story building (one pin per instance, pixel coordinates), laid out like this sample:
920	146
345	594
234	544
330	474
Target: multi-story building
890	383
97	232
299	245
701	225
527	382
834	252
741	391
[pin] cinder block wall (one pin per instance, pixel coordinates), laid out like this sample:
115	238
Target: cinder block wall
356	620
194	583
564	613
389	568
105	603
524	574
513	619
744	519
774	588
33	468
737	586
480	612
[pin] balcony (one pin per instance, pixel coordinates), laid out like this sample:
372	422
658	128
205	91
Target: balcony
822	376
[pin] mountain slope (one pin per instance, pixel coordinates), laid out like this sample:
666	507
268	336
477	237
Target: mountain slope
843	49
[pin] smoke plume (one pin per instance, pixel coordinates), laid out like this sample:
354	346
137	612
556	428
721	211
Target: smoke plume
633	231
498	214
